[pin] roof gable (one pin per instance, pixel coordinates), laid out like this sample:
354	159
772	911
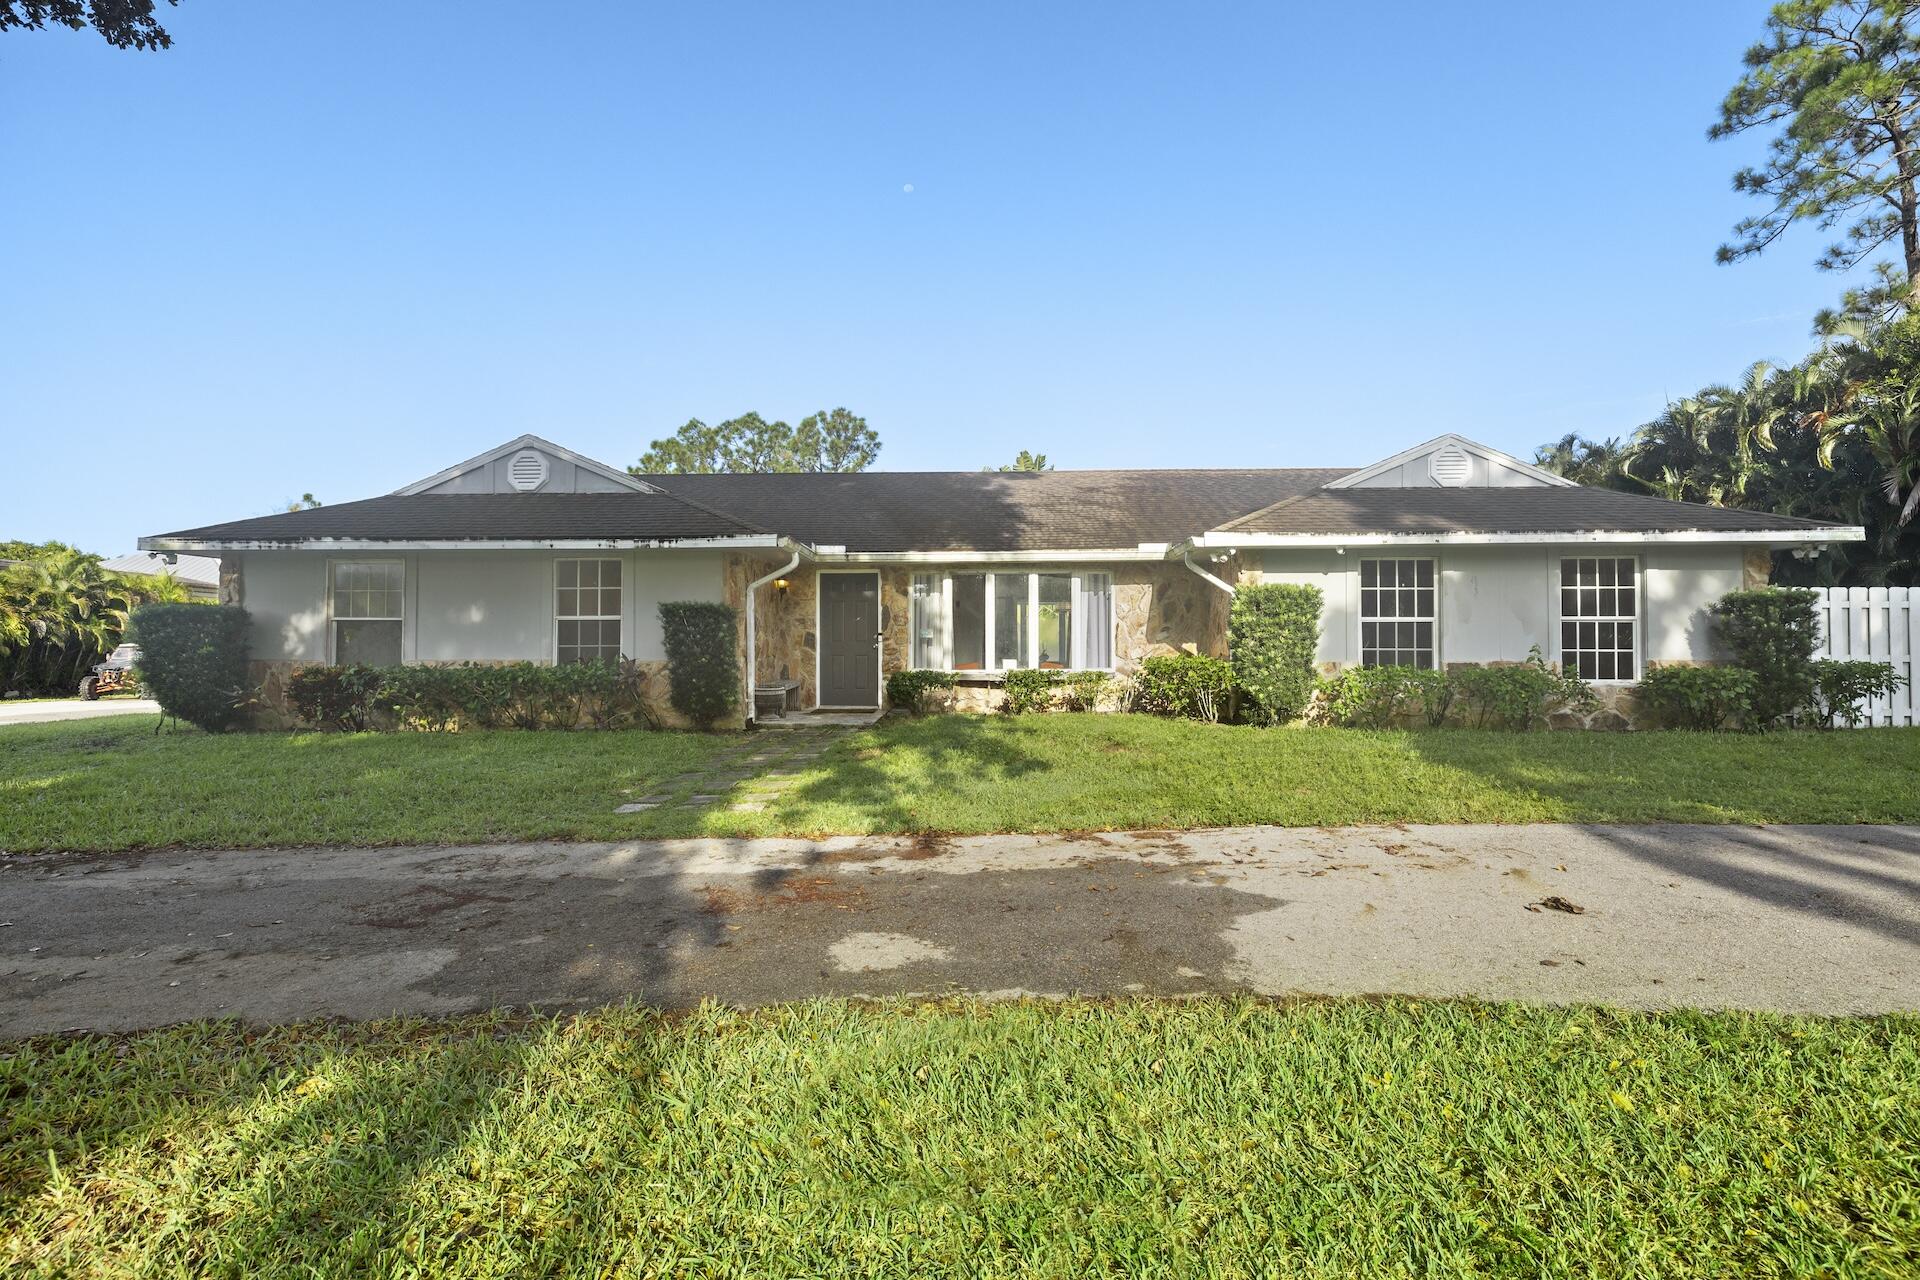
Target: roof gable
528	464
1450	462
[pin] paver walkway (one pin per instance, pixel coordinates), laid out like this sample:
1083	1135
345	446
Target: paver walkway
748	775
1806	919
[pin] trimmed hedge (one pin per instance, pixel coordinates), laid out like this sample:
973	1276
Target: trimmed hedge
1700	698
1189	685
1273	638
193	661
1027	690
1773	632
442	699
1516	696
703	666
909	690
336	697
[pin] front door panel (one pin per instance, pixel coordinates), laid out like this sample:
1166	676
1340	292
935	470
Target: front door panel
849	640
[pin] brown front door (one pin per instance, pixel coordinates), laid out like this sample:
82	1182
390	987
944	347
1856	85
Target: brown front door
849	639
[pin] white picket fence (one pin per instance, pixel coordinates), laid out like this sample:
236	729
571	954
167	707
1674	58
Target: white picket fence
1880	623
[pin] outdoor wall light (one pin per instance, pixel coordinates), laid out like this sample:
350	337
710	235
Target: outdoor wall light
780	585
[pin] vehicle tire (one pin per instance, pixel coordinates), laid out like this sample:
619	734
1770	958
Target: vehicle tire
89	689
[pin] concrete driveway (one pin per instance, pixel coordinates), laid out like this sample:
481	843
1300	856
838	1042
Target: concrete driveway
1810	919
22	712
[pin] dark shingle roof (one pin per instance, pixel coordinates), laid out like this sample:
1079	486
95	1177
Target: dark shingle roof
487	517
995	510
1522	510
989	511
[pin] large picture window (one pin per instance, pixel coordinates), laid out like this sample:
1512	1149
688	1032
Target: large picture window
586	610
368	611
1398	606
1057	621
1599	616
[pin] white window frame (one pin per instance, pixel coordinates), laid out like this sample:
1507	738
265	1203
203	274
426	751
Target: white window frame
332	646
1360	608
943	640
1569	660
558	617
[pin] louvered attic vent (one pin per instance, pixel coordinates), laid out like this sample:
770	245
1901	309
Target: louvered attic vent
1450	467
528	470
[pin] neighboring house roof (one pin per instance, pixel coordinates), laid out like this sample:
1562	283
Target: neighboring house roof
482	517
194	571
877	511
1556	509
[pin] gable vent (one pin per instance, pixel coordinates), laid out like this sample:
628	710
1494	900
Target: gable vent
1450	466
528	470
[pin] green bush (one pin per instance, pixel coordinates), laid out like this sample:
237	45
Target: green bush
1273	638
517	695
1436	692
1189	685
1371	697
1774	633
1028	691
441	699
193	661
1703	698
1520	695
335	697
703	666
909	690
1081	691
1840	687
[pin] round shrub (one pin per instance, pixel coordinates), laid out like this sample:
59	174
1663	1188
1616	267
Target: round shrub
193	660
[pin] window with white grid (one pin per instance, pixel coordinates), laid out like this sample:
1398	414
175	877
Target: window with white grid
587	611
1599	617
1398	603
368	607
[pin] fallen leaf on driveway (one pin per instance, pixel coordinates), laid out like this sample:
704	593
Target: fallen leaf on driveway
1557	903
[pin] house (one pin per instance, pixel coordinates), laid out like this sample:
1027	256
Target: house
200	575
1447	553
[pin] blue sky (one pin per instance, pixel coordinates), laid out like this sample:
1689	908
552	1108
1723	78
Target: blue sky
333	248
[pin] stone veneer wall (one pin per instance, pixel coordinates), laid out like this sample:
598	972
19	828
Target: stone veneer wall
1158	609
786	643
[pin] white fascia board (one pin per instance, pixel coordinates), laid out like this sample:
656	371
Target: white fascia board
1762	537
744	542
987	557
1471	446
514	446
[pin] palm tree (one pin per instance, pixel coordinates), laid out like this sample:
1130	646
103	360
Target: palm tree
60	613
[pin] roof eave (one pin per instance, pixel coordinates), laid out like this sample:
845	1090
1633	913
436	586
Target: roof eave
1223	540
732	542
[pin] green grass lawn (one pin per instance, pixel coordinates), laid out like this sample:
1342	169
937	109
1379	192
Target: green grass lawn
1172	1138
112	784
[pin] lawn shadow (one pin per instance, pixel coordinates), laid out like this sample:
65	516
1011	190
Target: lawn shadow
946	754
1781	869
1833	877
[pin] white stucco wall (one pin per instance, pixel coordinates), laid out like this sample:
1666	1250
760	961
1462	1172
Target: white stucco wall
1681	582
1496	602
468	605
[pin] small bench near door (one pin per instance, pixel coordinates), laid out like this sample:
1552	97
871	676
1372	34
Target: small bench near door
774	698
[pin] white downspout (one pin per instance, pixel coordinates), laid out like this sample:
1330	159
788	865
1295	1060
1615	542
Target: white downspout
753	658
1187	559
